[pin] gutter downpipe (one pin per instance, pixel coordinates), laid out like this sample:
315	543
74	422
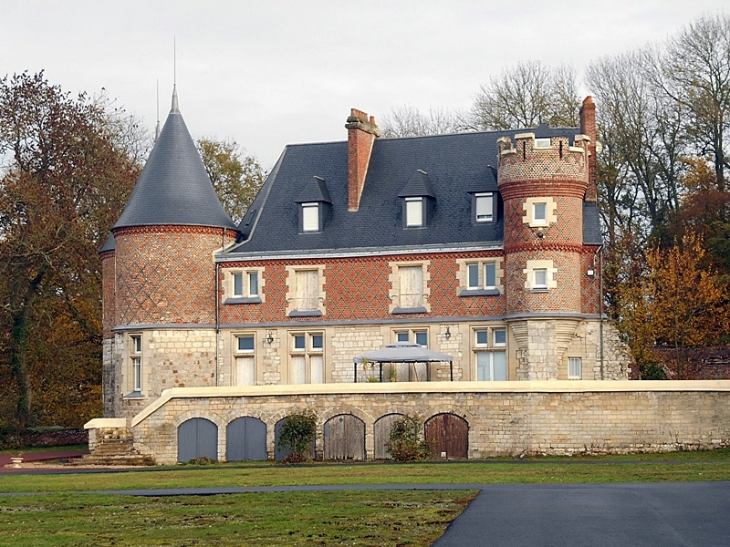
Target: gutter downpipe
600	310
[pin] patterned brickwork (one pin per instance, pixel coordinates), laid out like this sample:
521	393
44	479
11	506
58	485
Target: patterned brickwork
108	311
358	288
525	162
566	297
165	274
590	285
566	232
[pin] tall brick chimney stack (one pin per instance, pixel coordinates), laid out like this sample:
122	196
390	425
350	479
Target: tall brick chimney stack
588	127
361	134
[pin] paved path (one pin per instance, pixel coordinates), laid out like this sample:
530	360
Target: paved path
606	515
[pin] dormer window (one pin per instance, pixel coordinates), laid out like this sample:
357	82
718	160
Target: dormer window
310	217
484	207
418	199
314	205
414	212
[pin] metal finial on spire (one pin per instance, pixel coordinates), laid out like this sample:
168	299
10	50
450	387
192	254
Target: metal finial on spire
175	108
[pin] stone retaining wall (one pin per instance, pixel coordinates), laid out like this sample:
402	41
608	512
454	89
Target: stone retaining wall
505	418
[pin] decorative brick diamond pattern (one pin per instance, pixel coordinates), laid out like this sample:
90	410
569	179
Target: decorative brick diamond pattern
166	275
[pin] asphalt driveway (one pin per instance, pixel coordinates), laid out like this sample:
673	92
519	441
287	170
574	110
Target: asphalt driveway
604	515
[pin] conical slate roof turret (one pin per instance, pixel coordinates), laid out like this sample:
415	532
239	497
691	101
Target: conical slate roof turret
174	188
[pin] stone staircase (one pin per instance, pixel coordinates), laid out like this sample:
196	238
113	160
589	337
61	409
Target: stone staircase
114	446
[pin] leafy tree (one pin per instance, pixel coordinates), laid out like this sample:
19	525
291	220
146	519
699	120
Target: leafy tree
66	178
236	177
677	303
297	433
525	96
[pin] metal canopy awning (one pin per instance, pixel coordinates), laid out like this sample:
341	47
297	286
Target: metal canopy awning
404	352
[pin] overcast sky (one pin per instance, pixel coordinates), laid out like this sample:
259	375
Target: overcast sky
270	73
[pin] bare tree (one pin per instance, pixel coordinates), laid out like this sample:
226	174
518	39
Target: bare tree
409	121
695	72
524	96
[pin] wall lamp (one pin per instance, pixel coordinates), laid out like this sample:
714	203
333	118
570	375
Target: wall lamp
269	338
448	333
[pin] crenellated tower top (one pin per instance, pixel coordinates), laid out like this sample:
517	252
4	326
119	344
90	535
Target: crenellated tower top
548	162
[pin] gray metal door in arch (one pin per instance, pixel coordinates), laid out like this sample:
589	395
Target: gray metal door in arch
197	438
281	453
246	440
381	435
448	435
344	438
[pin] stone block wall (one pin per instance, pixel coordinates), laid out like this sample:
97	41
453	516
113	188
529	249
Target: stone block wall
505	419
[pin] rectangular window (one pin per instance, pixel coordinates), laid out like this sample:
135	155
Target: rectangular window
411	286
484	206
490	275
575	365
414	212
307	358
238	284
421	338
481	337
136	363
310	217
245	361
539	212
307	290
500	337
540	278
473	274
542	143
253	284
491	366
402	336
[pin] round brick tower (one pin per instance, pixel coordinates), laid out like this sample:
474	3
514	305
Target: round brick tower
160	291
543	183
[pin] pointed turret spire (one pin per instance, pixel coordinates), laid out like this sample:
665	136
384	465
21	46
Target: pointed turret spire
174	188
175	108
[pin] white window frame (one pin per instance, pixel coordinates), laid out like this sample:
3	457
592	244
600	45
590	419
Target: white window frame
530	208
414	212
311	216
310	356
531	275
244	277
467	280
543	142
411	335
488	346
484	207
136	362
575	368
245	378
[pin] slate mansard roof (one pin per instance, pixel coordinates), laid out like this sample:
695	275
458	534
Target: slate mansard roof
174	188
449	169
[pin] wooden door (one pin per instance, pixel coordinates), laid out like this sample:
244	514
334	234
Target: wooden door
344	438
246	440
381	433
197	438
448	436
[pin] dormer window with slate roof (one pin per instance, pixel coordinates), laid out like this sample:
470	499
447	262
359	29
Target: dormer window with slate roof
417	197
314	205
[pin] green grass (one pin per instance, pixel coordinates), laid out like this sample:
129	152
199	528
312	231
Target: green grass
73	515
680	466
396	518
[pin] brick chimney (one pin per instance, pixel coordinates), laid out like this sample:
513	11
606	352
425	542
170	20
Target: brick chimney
588	127
361	134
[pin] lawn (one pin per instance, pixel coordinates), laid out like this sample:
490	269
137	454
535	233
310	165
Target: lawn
76	516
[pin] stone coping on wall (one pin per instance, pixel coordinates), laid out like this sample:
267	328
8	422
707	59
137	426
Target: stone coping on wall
106	423
543	386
